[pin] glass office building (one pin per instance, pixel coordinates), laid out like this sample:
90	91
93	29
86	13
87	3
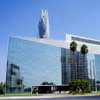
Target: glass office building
32	61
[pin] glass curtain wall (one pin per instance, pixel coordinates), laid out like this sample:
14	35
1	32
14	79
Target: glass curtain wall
30	64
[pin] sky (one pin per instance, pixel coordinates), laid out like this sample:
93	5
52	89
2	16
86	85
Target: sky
21	17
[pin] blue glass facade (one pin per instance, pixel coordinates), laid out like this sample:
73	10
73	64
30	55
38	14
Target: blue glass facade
76	66
97	63
36	63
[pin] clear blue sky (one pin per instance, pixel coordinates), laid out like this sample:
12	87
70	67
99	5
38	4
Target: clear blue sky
20	17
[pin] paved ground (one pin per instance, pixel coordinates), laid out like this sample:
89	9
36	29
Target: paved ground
59	98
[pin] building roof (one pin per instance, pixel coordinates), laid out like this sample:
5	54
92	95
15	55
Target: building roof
82	39
93	45
57	43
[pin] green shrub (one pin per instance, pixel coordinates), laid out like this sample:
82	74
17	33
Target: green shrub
80	86
1	90
2	87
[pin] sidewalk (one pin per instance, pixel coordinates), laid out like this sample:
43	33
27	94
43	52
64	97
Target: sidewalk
45	96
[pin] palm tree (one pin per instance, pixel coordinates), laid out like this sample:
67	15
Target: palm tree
84	51
73	46
73	59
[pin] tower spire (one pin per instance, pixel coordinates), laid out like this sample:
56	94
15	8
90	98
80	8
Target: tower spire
44	24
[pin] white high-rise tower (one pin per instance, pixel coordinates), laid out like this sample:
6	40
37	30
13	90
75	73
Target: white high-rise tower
44	25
